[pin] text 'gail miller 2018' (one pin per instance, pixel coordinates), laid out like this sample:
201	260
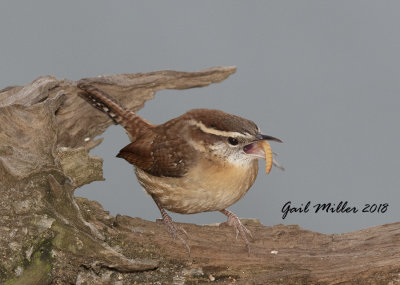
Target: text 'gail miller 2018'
342	207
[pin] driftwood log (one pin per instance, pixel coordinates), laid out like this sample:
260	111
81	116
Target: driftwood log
48	236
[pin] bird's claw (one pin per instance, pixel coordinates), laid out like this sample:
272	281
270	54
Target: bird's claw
239	228
174	230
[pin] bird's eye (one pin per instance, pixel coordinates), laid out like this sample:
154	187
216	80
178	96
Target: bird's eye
233	141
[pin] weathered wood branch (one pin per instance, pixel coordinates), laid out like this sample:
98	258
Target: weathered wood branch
47	236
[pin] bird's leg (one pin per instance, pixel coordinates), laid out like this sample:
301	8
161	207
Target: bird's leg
172	228
234	221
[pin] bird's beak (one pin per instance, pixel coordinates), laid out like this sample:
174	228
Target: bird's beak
267	138
262	149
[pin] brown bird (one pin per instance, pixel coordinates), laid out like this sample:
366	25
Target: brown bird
204	160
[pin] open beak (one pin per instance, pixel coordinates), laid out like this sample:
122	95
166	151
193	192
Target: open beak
262	149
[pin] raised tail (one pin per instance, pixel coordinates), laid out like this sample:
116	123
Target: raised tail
99	99
102	101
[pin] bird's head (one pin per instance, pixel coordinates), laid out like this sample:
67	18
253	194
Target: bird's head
235	139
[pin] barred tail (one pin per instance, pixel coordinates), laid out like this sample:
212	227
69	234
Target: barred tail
102	101
120	115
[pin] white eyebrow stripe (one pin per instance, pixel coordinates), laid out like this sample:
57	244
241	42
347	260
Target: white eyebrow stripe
212	131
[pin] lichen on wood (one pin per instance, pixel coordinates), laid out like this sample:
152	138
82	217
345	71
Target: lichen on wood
49	236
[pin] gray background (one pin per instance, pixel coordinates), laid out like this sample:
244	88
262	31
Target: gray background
321	75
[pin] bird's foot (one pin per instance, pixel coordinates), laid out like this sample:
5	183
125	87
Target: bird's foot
235	222
174	229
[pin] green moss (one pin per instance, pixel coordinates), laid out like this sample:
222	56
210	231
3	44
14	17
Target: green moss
3	273
68	240
65	239
38	270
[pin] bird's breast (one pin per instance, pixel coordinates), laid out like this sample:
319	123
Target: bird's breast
208	186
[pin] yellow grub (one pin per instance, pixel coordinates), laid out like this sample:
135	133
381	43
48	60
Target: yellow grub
268	156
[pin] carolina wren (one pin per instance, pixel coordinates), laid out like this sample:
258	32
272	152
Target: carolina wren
204	160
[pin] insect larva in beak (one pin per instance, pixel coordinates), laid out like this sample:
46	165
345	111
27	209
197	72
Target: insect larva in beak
268	156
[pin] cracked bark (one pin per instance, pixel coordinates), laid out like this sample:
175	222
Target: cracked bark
48	236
